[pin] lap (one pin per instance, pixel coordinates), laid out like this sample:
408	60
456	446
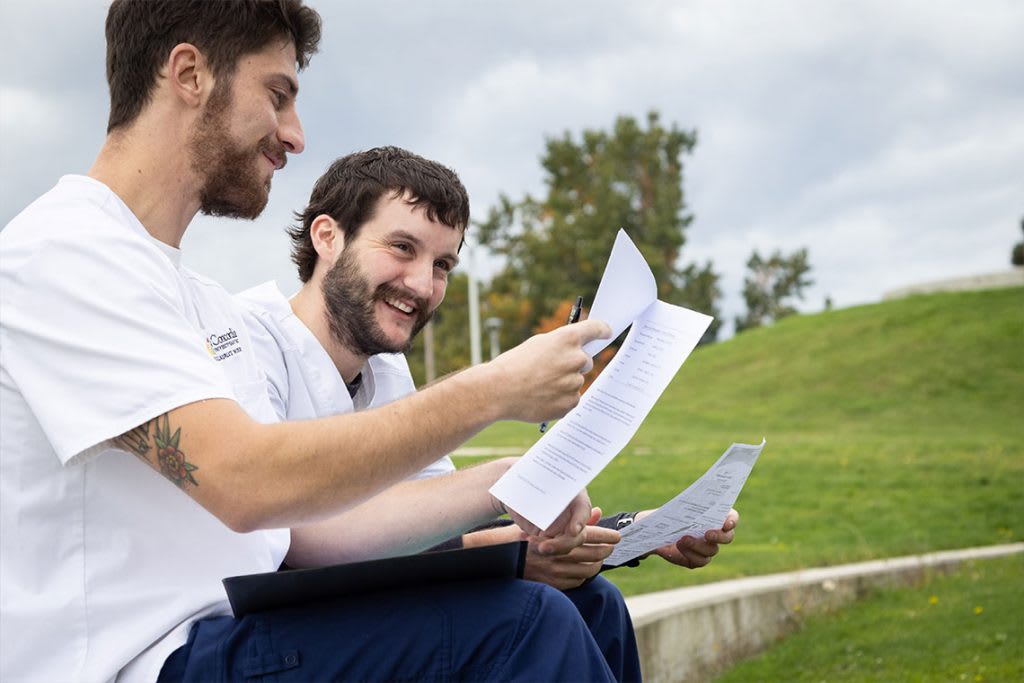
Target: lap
467	630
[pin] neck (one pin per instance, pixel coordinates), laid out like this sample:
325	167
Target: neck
148	167
308	306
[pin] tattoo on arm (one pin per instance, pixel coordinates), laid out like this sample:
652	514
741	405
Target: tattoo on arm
170	460
136	441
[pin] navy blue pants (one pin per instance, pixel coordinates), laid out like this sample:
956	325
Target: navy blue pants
468	631
604	611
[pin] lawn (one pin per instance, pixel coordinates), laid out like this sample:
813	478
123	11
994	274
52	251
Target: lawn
892	429
959	627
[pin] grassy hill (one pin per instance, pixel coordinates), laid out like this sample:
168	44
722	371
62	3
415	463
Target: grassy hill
892	429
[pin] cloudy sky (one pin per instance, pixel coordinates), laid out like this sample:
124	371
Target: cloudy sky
886	137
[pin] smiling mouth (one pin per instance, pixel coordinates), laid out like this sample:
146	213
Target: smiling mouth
400	305
278	164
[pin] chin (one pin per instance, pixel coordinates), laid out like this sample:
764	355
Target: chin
399	342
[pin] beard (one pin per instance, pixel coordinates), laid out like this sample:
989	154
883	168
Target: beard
350	309
232	185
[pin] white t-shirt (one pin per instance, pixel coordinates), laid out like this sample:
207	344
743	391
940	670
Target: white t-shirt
302	379
105	564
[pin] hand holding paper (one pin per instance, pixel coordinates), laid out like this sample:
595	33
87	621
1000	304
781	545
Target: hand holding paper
701	506
541	377
578	447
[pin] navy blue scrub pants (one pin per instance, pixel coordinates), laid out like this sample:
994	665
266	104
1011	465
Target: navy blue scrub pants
604	611
467	631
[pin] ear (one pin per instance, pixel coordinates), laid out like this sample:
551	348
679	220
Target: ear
188	74
328	239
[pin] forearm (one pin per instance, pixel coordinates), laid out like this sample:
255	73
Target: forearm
254	476
404	519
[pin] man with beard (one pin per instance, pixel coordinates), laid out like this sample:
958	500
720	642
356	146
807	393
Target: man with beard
374	248
118	364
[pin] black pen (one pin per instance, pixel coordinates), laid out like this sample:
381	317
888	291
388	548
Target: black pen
574	317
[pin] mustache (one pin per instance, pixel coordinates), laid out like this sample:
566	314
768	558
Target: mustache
389	291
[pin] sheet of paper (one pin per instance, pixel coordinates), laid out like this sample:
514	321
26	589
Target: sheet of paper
583	442
627	287
701	507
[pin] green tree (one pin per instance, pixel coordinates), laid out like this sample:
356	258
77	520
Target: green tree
555	247
770	286
1017	256
699	289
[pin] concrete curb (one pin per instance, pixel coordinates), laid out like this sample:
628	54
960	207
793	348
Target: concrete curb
1000	280
695	633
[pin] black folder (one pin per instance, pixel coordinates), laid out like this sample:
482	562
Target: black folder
292	587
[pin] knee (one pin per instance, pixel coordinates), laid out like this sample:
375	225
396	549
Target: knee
599	594
606	591
554	604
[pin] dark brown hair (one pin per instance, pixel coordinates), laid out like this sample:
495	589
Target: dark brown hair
141	34
350	189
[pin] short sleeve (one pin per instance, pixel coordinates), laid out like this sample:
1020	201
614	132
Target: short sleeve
97	333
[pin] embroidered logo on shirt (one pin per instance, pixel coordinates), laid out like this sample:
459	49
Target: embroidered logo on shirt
222	346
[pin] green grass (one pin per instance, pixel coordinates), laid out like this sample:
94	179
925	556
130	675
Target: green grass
965	626
892	429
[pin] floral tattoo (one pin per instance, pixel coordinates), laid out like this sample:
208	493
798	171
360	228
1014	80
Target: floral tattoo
169	458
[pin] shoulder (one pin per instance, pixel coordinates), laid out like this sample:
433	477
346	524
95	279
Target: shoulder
265	300
268	314
79	237
77	210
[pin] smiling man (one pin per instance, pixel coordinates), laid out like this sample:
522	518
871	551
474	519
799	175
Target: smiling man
374	249
119	365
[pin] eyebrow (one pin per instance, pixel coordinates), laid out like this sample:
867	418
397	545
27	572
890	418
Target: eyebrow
409	237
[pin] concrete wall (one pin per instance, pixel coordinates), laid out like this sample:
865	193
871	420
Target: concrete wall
1008	278
695	633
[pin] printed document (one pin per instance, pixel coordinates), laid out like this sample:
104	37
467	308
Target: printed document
703	506
582	443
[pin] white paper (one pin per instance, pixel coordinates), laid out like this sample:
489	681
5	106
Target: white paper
703	506
582	443
627	287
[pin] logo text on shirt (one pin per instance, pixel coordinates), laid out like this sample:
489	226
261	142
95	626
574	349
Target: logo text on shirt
222	346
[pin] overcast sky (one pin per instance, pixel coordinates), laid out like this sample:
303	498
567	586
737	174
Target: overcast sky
886	137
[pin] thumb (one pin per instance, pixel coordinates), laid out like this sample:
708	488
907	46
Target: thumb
591	329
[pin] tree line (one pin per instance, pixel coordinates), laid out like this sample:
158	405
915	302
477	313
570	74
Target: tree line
554	246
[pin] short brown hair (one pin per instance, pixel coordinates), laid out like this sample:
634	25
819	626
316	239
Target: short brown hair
141	33
350	189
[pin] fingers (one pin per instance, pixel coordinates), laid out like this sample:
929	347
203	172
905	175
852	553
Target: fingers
588	330
560	545
588	365
717	536
574	517
561	575
541	378
587	553
568	570
599	534
597	544
728	530
528	527
732	520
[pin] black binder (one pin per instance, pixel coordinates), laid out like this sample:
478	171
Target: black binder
292	587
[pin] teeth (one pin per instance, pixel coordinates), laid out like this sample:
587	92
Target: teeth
405	308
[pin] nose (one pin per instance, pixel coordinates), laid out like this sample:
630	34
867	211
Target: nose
419	279
290	133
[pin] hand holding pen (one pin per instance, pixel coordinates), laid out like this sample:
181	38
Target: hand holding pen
574	317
